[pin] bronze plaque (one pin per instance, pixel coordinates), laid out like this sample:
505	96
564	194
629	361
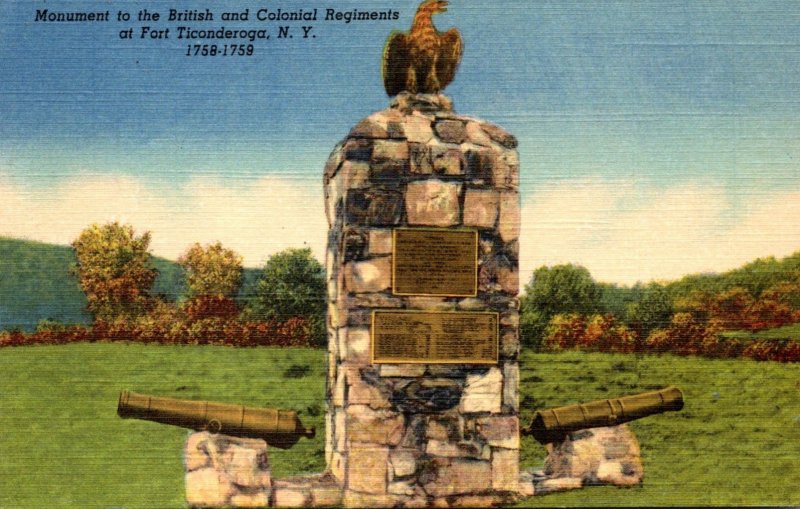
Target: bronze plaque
434	337
435	262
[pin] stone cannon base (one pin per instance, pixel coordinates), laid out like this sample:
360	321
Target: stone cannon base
226	471
588	457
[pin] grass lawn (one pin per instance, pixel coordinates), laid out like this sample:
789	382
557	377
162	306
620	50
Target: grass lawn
62	445
787	332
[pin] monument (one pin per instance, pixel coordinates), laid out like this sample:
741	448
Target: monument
422	264
422	393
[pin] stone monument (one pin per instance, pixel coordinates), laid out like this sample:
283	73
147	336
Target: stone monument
423	323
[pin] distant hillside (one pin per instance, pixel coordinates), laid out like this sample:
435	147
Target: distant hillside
36	284
755	277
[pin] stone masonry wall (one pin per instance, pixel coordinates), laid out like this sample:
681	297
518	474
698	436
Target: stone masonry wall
410	434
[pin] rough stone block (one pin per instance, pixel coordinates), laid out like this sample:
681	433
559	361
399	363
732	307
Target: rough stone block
508	226
476	135
481	208
367	425
418	129
389	161
457	449
235	466
404	462
333	163
500	135
471	304
326	496
505	469
338	466
430	303
357	149
511	387
420	159
195	455
356	499
339	389
208	488
368	469
402	488
500	430
526	488
355	175
508	280
440	429
374	207
374	275
380	241
363	393
291	497
340	423
459	476
374	300
433	203
451	131
357	344
337	316
447	162
402	370
560	484
483	392
369	128
509	344
250	500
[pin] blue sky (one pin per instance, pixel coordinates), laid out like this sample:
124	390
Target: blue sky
638	122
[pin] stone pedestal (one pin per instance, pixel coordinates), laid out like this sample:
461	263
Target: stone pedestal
417	433
596	456
225	471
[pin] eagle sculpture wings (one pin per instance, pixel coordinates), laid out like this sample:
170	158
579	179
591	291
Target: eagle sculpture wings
423	60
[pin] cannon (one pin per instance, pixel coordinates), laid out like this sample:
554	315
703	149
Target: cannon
279	428
553	424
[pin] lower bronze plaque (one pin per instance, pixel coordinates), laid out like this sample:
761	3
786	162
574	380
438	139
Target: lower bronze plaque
435	338
435	262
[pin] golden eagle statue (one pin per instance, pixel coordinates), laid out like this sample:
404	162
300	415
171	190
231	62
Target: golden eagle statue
423	60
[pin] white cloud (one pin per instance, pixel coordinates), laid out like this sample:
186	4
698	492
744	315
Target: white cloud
626	232
622	231
256	218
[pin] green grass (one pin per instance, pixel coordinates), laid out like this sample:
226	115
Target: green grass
62	445
787	332
734	443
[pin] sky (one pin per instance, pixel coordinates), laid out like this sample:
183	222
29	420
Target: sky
657	138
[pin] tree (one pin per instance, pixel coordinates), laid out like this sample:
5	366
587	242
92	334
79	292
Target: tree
114	270
214	276
212	271
561	289
292	284
652	311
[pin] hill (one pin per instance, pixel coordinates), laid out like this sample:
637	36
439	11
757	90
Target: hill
36	283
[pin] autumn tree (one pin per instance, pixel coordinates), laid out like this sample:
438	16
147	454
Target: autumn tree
561	289
114	270
292	284
214	276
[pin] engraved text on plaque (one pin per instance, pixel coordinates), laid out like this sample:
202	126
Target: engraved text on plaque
434	337
435	262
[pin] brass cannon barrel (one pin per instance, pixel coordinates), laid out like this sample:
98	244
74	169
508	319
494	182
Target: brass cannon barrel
279	428
554	424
